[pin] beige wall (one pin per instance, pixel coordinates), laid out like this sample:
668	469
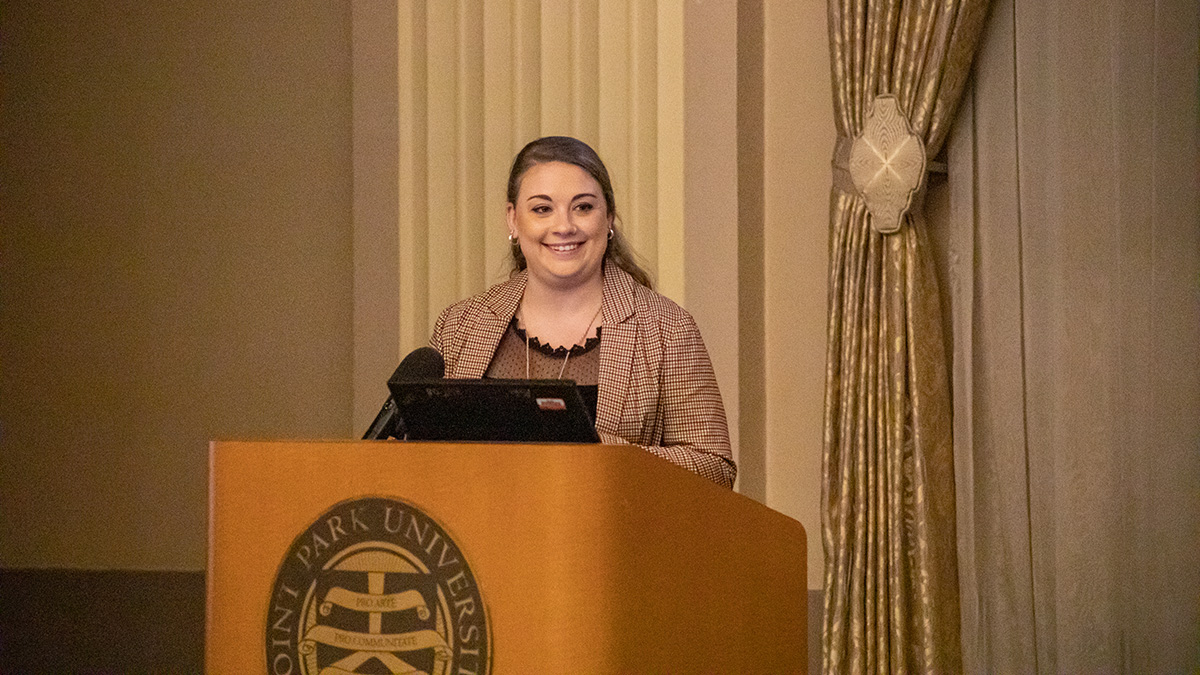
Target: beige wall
175	262
799	132
191	250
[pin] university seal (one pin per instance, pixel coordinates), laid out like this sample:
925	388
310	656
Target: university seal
376	586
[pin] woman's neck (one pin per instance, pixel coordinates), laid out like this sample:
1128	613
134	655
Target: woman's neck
561	316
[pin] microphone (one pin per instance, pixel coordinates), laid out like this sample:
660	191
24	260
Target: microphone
424	363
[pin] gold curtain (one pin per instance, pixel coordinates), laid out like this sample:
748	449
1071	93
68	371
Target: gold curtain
888	512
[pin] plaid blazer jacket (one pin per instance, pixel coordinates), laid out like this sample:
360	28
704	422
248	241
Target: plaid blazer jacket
657	388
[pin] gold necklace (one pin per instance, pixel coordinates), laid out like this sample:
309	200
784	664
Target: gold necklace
582	340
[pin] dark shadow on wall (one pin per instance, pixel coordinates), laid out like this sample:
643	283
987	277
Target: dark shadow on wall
101	622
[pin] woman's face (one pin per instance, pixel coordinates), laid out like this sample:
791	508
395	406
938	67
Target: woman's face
561	221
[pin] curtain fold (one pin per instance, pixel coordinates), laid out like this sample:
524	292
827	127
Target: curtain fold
1075	222
888	510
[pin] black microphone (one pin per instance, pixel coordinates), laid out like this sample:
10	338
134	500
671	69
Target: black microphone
424	363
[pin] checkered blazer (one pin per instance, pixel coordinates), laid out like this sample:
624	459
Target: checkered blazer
657	387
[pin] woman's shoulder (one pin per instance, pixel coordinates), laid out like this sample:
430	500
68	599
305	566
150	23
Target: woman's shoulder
502	299
650	300
496	304
651	306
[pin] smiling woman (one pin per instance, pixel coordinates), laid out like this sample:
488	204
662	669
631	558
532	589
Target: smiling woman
579	307
560	222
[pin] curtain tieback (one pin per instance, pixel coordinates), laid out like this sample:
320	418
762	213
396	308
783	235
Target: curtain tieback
884	164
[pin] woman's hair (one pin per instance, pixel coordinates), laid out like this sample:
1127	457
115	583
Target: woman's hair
573	151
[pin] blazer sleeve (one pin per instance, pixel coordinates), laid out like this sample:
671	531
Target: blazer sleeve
690	414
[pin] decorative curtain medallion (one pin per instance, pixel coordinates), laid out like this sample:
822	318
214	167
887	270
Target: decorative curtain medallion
887	163
376	586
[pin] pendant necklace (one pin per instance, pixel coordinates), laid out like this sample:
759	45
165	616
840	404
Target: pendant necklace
582	340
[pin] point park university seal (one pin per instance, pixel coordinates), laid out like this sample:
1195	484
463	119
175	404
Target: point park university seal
376	586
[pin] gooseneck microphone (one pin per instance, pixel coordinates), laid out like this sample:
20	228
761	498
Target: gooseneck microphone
424	363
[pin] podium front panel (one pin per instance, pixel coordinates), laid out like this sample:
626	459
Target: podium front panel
586	559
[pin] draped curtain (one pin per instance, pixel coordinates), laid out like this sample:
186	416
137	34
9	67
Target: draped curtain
1072	255
888	510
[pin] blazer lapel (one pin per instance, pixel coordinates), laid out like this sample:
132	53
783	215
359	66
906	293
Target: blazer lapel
488	321
618	345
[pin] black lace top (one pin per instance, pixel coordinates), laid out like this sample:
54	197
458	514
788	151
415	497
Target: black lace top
546	362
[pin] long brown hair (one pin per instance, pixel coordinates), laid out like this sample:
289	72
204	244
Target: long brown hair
574	151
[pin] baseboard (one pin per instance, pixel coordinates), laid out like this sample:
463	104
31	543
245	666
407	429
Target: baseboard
816	611
103	622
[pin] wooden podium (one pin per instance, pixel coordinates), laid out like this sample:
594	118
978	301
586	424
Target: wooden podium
587	558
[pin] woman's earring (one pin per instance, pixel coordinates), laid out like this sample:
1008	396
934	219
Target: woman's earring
611	232
512	238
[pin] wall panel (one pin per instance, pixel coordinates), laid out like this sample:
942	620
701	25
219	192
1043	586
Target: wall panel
177	186
798	138
412	178
470	187
499	89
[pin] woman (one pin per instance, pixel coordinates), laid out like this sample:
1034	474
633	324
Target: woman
578	307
